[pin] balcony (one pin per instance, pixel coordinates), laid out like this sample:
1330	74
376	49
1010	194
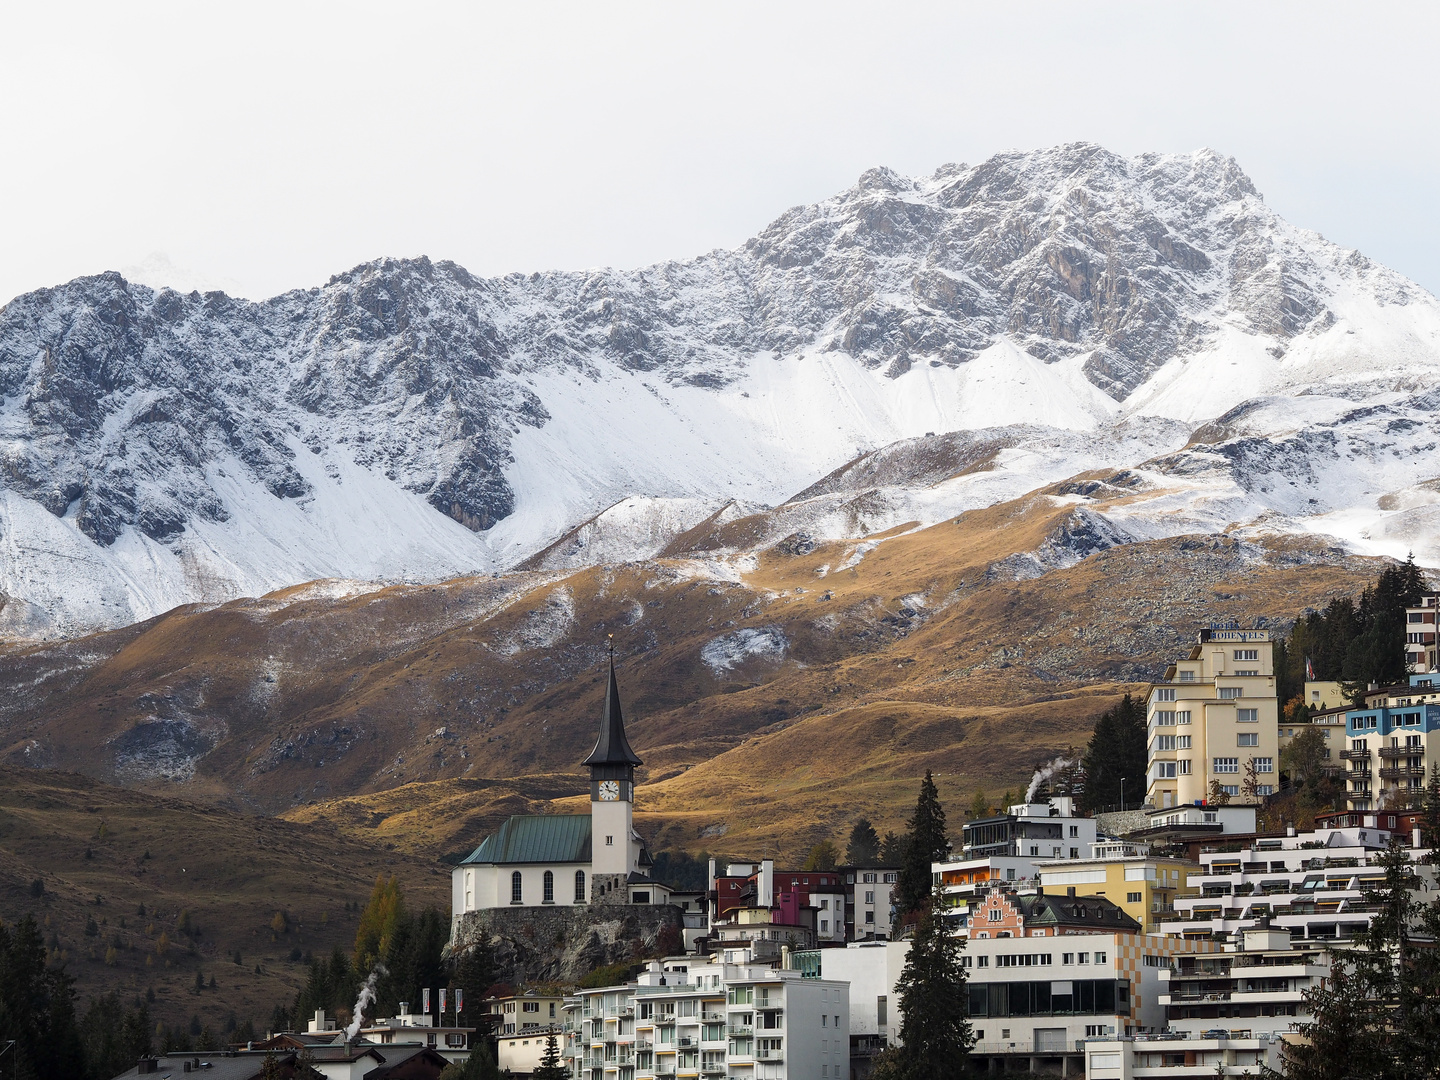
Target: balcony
1356	755
1403	772
1392	752
742	1029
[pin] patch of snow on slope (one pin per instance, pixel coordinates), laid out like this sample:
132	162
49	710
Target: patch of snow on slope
729	651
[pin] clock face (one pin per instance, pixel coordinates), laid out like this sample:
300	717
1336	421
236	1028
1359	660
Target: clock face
609	790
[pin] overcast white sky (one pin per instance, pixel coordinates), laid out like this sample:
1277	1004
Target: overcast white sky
271	145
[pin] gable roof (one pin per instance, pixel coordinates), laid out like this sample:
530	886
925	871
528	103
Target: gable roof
526	838
1091	912
612	748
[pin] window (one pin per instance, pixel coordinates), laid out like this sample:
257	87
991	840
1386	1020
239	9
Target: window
824	905
1249	672
579	886
890	879
1164	742
609	841
995	914
1165	719
1074	830
1074	853
515	888
1068	958
881	1009
1264	764
552	1010
1247	716
1164	770
1165	693
1187	676
1084	958
1230	789
1182	742
1228	693
1133	898
869	896
824	926
1100	958
1227	765
824	1020
1264	789
530	1006
1184	764
1183	716
982	961
1247	654
1034	849
1248	738
869	916
549	896
869	879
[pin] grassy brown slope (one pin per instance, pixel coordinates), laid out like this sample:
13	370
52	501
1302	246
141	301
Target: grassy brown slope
231	874
991	675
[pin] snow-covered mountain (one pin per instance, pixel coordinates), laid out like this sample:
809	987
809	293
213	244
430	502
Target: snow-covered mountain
906	350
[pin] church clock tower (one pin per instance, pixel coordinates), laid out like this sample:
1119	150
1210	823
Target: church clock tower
614	844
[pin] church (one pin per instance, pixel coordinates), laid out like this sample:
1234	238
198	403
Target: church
540	860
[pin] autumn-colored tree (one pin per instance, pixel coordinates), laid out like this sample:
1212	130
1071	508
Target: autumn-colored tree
378	922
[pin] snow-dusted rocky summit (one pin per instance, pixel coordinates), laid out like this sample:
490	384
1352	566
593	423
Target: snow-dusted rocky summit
409	419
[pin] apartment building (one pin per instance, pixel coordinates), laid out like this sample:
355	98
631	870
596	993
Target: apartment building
1142	885
1311	885
755	901
1420	647
1039	1000
964	884
1214	719
1393	743
867	901
1048	830
684	1017
517	1013
1181	1056
1257	985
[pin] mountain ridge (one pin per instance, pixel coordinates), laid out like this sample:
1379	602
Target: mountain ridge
410	421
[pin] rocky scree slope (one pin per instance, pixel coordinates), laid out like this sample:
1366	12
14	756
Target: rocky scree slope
409	420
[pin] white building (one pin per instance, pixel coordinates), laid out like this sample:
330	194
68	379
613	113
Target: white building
871	969
1311	884
702	1018
1181	1056
1048	830
1256	986
565	859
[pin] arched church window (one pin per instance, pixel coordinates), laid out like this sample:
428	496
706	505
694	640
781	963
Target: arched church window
549	896
515	897
579	886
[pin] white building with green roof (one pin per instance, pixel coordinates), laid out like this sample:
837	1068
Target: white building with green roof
543	860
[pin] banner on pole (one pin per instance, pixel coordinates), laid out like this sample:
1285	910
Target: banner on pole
425	998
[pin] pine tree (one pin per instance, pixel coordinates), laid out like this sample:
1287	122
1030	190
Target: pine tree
550	1067
863	848
926	844
1116	752
935	1036
1339	1044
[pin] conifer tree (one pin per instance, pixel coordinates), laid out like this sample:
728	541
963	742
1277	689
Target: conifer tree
935	1035
551	1066
1116	751
864	845
926	844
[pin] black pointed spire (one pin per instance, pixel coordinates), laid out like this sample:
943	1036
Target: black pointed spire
612	748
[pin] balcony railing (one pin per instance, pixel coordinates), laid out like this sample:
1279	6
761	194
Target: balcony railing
1392	752
1355	755
1403	772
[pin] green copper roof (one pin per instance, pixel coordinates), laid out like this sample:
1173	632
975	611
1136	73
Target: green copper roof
550	838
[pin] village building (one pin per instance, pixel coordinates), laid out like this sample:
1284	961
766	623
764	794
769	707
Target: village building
690	1016
1393	743
569	859
1214	722
1143	885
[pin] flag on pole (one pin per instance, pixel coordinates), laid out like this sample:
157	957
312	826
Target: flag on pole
1309	669
442	1001
459	1001
425	997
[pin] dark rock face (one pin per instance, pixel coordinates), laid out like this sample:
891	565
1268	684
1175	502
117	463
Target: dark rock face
561	944
129	407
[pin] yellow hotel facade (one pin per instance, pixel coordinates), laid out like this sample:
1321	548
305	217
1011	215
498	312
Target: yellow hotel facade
1213	715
